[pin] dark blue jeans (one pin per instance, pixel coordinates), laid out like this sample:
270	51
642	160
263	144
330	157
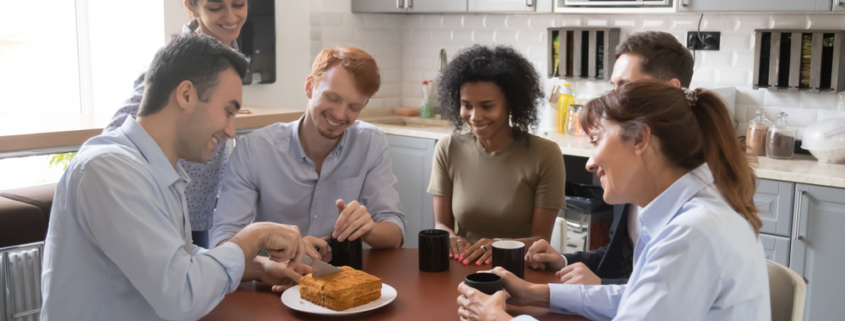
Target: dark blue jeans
200	238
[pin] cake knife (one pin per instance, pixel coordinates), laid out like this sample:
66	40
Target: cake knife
319	268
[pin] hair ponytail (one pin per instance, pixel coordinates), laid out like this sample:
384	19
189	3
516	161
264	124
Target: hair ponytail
723	153
693	128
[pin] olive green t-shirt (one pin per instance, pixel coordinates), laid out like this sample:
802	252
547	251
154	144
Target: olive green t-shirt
494	194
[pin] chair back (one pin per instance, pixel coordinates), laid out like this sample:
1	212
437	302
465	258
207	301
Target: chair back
787	290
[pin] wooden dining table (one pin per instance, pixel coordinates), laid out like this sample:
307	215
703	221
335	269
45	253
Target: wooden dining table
421	295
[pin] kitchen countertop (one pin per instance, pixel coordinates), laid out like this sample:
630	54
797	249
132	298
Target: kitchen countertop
800	169
70	134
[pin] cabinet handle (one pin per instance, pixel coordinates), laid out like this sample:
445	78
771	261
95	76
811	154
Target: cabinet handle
797	225
529	3
685	3
409	4
399	4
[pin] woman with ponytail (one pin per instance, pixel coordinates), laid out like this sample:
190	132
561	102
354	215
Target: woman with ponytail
673	153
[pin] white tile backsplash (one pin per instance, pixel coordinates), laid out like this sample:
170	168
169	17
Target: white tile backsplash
406	48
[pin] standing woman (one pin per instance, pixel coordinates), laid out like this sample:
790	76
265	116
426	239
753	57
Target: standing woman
495	180
221	19
673	153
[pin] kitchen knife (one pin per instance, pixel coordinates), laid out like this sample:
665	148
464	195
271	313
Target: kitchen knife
319	268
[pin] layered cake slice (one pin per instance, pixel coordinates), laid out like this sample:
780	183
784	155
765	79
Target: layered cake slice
342	290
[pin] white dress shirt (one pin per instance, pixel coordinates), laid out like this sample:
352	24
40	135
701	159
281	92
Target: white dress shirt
119	241
695	259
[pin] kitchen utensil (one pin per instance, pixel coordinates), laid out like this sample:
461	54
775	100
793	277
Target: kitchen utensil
319	268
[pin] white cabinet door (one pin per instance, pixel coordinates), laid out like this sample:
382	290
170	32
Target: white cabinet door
378	6
502	5
436	6
818	249
754	5
411	159
838	5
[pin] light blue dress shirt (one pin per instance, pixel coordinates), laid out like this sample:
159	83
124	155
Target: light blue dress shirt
201	192
270	179
696	259
119	241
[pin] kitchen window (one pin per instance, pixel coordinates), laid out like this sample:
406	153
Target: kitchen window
66	64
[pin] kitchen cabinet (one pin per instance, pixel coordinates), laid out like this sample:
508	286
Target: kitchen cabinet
408	6
754	5
774	200
818	250
514	6
776	248
411	158
838	5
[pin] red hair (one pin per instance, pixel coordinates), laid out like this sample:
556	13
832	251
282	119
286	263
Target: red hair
357	62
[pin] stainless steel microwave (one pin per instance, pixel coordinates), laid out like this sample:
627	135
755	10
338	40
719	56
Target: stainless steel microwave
618	3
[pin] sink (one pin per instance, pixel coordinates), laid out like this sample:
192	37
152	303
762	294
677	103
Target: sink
411	122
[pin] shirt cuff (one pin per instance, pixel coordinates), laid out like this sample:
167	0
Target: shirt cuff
394	220
565	261
231	257
524	318
565	298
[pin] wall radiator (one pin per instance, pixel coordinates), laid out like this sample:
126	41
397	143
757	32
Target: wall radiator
20	282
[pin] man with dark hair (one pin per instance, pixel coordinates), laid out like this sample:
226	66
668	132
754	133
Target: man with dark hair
119	244
644	55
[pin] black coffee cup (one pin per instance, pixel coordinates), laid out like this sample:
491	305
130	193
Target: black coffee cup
487	283
434	250
511	256
347	253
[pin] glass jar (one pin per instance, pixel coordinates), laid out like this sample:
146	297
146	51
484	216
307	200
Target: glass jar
573	121
755	137
780	141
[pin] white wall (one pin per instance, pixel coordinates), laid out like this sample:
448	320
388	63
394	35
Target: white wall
293	61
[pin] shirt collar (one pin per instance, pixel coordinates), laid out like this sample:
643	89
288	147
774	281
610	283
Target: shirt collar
297	144
165	173
657	214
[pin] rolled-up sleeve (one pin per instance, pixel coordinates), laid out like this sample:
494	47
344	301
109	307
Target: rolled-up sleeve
379	193
114	208
238	196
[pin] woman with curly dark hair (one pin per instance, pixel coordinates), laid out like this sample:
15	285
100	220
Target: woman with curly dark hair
492	179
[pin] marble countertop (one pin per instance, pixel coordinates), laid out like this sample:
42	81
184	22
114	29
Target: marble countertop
800	169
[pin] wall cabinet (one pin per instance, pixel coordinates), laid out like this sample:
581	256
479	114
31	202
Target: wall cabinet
408	6
754	5
411	159
514	6
818	249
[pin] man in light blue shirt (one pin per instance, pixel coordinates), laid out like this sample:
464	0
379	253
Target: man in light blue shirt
119	242
327	173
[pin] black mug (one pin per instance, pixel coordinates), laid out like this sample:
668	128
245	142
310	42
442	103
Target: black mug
487	283
347	253
434	250
511	256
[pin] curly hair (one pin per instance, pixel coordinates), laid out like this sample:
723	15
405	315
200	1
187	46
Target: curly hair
503	66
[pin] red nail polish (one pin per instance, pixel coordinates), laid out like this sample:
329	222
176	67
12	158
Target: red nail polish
477	262
465	262
487	262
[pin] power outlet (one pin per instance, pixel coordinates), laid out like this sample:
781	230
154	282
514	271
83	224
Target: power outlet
705	40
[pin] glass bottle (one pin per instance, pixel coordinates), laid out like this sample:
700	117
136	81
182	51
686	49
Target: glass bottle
780	141
573	121
755	137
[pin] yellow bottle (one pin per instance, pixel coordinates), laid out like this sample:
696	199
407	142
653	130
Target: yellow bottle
563	103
